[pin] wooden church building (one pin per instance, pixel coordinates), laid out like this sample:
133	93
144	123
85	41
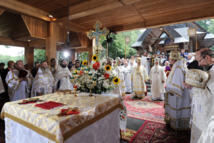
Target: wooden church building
167	38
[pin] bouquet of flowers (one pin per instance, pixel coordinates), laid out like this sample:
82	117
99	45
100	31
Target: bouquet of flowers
101	78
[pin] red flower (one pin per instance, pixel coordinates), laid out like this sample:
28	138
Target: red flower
106	75
96	65
75	86
81	72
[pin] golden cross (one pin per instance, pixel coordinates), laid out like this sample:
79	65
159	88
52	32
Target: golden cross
97	33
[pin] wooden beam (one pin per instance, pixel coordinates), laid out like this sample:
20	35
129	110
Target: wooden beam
1	11
79	47
72	27
21	8
37	28
10	42
90	8
84	40
36	44
51	41
80	50
127	2
129	27
182	17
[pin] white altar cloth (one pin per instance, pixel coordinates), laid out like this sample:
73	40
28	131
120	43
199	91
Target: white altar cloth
104	130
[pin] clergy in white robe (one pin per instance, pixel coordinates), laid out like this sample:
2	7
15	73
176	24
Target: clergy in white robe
177	99
44	82
127	76
139	76
121	88
145	63
201	102
157	79
18	88
62	77
133	61
53	66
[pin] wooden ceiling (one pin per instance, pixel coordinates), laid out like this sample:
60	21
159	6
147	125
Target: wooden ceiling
119	15
13	26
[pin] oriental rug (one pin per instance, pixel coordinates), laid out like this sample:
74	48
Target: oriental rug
144	109
128	135
152	132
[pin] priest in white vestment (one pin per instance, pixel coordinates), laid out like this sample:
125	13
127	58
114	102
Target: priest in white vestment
177	99
157	79
44	82
202	101
62	77
133	61
121	88
127	76
18	88
139	76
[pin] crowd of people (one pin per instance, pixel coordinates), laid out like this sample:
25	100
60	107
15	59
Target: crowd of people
183	80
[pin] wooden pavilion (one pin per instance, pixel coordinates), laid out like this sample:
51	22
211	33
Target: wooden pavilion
26	23
171	37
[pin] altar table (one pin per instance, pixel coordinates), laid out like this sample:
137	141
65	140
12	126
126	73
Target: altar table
97	122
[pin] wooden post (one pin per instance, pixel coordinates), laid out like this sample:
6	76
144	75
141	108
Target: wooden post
29	56
51	41
90	54
72	56
196	42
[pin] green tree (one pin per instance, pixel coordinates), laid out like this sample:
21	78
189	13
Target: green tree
117	48
39	55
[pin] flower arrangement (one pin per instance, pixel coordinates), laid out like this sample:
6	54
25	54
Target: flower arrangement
99	76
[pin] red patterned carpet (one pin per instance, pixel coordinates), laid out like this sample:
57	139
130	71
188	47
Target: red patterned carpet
145	109
152	132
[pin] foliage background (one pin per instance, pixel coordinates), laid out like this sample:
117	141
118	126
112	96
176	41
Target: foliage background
208	25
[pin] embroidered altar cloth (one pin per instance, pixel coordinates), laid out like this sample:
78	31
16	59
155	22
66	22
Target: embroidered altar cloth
58	129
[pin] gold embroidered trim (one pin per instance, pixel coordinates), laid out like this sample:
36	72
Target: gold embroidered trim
178	109
177	86
67	134
175	93
31	126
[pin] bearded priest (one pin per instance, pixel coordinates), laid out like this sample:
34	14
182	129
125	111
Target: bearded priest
157	79
177	100
139	76
62	77
19	82
44	82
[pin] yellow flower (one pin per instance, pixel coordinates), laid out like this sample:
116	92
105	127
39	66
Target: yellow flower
107	67
75	71
85	63
116	80
94	58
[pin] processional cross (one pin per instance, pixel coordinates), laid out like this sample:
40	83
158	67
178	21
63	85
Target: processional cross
96	34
